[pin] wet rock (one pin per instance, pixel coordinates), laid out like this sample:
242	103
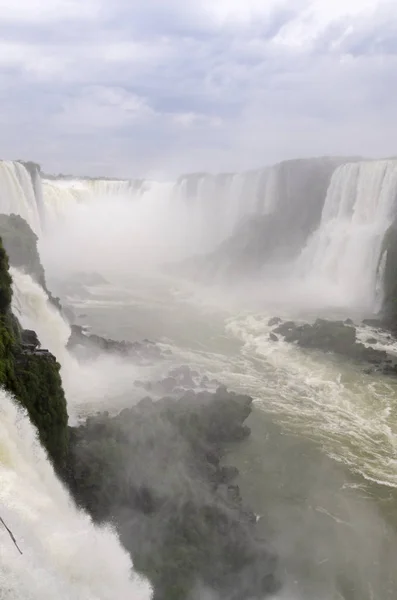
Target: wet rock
184	376
273	337
348	322
389	369
29	338
324	335
285	328
165	386
87	345
371	355
204	381
372	340
274	321
227	474
376	323
333	336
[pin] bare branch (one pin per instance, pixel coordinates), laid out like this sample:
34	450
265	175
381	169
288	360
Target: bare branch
11	536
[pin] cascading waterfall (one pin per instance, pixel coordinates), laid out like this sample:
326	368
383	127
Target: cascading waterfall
31	305
205	209
17	193
199	211
216	204
34	311
64	556
342	257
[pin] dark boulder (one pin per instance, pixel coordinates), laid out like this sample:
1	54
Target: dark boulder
29	338
337	337
375	323
274	321
330	336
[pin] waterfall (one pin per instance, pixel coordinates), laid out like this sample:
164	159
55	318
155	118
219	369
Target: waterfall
216	204
342	256
206	208
64	556
31	305
17	193
34	311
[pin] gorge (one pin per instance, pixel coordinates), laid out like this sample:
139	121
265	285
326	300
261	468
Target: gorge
186	278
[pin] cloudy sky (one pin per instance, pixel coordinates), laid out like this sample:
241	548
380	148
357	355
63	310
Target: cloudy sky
159	87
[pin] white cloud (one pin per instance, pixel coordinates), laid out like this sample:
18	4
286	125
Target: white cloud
39	11
191	119
194	84
242	12
100	108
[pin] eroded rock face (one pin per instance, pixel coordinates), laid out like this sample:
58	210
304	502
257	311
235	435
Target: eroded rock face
20	243
155	470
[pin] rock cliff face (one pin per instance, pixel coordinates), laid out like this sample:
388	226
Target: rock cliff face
31	374
20	243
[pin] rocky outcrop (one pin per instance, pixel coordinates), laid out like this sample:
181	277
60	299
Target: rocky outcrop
178	381
155	471
339	337
87	345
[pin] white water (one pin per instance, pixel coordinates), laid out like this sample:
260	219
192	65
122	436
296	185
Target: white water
88	385
17	194
342	257
31	305
65	557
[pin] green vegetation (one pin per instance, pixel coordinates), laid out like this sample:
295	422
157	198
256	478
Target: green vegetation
31	376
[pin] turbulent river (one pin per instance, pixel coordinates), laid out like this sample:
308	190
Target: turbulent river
321	465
